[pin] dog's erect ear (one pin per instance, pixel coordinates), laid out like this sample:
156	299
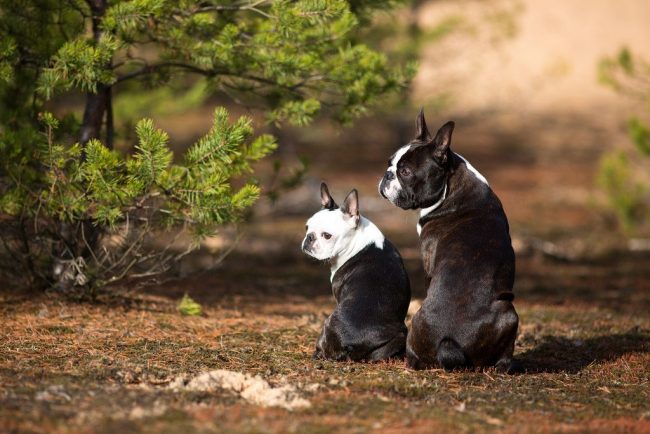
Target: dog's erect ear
325	198
351	206
440	144
421	131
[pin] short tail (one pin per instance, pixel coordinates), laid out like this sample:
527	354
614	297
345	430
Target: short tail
450	356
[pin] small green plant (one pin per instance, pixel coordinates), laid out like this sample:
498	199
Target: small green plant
88	216
621	173
189	307
626	195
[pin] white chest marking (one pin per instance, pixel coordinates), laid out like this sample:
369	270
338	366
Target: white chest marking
425	211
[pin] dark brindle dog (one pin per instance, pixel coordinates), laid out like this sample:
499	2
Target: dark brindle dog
467	318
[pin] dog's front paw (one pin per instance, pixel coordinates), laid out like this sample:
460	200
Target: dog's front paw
509	366
412	361
318	354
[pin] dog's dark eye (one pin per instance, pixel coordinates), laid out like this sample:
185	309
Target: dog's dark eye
405	171
326	235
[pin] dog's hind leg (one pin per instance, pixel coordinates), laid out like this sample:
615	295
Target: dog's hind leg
450	356
506	363
508	326
419	344
412	360
394	348
329	345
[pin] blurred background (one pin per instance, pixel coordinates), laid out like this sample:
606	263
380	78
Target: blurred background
520	79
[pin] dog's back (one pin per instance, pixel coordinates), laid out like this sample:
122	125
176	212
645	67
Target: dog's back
372	292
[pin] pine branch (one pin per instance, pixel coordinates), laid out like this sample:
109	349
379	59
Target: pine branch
151	69
236	7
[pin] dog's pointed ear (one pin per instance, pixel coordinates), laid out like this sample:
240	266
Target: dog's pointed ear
421	131
351	206
441	142
325	198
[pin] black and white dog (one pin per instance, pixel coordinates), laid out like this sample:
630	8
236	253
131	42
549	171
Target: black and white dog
467	318
369	283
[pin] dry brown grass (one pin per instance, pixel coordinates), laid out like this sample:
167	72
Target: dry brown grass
103	367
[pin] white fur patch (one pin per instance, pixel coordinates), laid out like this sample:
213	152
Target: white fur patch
425	211
366	233
473	170
394	185
331	222
346	239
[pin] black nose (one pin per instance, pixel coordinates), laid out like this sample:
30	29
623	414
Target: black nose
389	175
309	240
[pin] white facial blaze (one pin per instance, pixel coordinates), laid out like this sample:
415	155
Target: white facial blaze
394	186
346	239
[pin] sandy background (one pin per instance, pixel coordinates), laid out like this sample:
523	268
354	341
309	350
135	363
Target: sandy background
530	56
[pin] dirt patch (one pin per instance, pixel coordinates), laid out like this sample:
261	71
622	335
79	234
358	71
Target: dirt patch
251	388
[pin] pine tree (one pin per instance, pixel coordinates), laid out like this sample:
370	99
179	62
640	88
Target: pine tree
97	211
294	58
65	193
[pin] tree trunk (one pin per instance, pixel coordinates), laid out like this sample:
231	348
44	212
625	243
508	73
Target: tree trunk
110	127
78	240
97	105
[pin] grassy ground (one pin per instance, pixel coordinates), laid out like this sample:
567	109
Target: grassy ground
84	367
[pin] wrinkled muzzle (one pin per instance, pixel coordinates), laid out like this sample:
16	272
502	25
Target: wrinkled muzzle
308	243
389	186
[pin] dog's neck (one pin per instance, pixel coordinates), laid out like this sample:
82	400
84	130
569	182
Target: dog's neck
463	190
365	234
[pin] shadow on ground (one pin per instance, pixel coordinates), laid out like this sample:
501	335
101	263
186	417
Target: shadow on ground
620	284
558	354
